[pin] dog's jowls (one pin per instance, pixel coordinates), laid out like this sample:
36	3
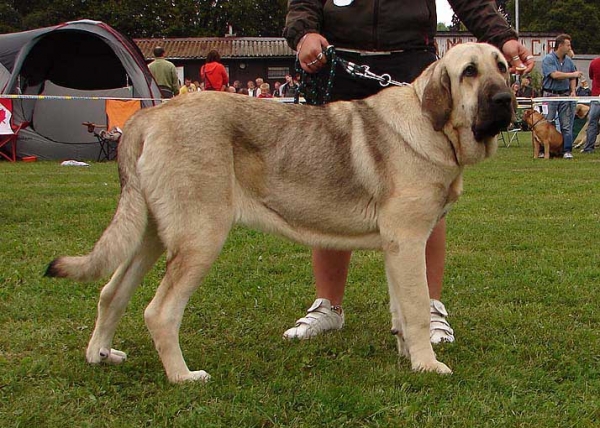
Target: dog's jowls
375	174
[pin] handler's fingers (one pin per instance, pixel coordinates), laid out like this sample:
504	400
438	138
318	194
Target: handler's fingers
311	54
313	66
518	56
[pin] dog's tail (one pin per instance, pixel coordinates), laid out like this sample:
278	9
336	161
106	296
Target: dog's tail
123	236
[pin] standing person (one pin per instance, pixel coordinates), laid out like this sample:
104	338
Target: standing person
251	88
594	114
395	37
526	90
213	73
289	88
165	74
277	89
265	91
583	90
515	88
259	81
187	87
560	79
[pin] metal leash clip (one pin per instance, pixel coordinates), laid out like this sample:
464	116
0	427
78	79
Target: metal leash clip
364	72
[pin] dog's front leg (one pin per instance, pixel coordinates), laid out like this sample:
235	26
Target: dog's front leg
405	267
536	146
404	241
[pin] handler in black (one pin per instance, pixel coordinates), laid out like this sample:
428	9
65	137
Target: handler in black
396	37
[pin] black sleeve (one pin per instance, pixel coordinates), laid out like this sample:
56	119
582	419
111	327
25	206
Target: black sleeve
304	16
481	17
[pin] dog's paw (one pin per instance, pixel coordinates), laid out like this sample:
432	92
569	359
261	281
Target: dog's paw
106	356
197	376
434	367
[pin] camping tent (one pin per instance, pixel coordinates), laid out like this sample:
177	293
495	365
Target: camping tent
80	59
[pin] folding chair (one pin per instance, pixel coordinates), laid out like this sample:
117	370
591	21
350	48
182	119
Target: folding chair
117	113
511	135
9	132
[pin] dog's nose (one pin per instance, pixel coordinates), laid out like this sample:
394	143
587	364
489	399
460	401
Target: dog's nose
502	99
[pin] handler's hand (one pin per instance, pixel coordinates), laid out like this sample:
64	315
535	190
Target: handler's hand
310	52
518	56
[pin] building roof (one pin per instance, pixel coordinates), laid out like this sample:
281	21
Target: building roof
228	47
231	47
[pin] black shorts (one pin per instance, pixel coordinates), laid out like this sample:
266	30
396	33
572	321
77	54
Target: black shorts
401	66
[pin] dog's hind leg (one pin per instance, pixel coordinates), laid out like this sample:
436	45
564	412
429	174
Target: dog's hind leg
189	258
546	149
115	296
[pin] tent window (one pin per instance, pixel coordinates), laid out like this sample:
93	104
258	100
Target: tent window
74	59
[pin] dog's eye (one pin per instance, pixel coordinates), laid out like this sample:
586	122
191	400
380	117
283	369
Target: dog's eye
502	67
470	71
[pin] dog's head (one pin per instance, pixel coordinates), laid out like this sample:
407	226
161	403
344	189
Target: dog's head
466	95
581	111
533	117
529	116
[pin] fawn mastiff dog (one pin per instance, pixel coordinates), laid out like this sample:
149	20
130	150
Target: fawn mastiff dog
544	133
371	174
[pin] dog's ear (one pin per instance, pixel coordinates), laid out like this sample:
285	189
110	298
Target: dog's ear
437	97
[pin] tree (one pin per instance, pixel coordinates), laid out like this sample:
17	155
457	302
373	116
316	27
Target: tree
579	18
154	18
10	19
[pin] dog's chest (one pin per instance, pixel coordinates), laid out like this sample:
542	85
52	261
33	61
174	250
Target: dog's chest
454	192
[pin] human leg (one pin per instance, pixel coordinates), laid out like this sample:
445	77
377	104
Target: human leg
552	109
330	268
566	111
592	131
435	257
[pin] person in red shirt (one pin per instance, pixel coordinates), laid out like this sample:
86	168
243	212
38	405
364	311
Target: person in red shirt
213	73
265	91
594	114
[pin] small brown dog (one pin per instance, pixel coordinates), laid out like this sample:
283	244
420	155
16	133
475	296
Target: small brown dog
543	132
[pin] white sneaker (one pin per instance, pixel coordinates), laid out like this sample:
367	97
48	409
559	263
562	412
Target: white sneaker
320	318
439	329
568	155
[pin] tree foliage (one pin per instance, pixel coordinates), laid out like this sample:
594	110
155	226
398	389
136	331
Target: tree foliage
579	18
152	18
193	18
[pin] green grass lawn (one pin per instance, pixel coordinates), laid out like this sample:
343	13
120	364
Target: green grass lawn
521	285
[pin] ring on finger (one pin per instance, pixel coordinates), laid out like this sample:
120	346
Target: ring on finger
529	57
516	58
320	56
312	62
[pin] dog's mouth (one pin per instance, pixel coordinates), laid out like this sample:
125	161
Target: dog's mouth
494	117
483	131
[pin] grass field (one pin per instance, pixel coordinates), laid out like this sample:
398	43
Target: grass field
522	283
